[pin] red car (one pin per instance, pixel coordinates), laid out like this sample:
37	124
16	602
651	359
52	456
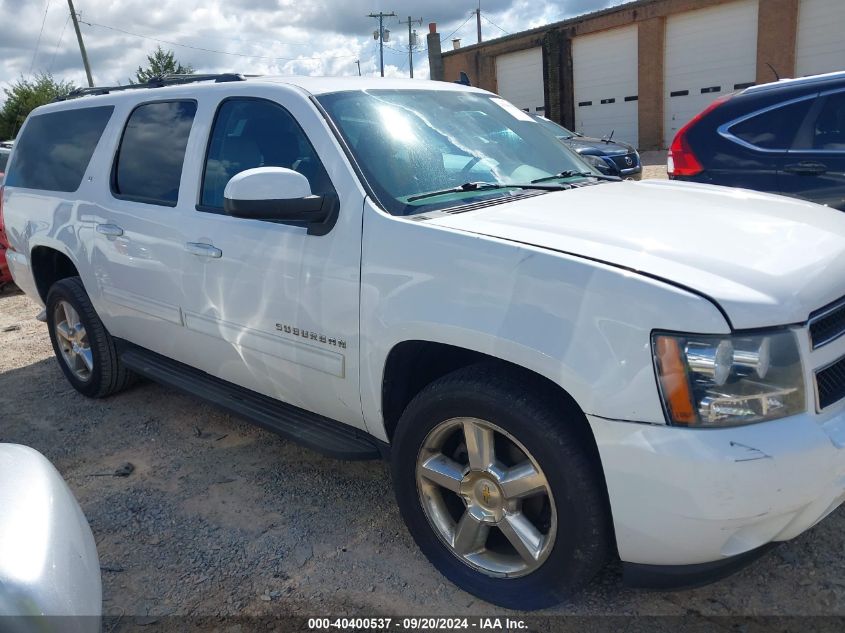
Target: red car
5	275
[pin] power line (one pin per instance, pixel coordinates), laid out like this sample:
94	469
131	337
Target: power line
251	40
38	41
494	24
405	55
396	50
457	29
211	50
58	44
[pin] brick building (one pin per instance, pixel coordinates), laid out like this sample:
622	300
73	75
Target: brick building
643	69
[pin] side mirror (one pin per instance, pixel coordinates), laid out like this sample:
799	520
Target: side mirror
280	195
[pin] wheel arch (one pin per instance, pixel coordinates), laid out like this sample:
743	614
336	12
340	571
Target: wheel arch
413	364
49	265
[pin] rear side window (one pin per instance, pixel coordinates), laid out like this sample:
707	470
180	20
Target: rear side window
773	129
54	149
827	132
148	165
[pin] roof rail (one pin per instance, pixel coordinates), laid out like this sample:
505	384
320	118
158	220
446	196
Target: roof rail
797	81
154	82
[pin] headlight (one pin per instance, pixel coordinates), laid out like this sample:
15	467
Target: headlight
596	163
715	381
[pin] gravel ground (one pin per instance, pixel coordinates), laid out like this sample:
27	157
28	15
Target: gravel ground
222	518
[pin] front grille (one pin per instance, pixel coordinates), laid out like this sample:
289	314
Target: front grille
830	383
621	163
827	324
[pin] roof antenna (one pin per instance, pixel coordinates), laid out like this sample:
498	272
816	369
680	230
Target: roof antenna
772	68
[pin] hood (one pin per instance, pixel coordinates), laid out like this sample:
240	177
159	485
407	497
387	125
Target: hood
597	147
765	259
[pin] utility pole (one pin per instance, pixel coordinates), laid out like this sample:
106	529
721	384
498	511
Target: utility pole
411	42
478	20
358	61
380	15
81	43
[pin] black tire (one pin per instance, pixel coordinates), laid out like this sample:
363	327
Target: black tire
534	416
108	374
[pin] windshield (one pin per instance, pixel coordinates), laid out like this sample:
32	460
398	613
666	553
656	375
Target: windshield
555	128
412	142
4	158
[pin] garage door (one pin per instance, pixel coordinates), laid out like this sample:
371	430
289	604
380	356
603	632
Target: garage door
604	72
709	52
519	78
819	46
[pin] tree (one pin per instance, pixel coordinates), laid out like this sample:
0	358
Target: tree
161	63
24	96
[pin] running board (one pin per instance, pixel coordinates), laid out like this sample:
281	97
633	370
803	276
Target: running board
318	433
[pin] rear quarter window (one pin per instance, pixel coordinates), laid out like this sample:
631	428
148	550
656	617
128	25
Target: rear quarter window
774	128
54	149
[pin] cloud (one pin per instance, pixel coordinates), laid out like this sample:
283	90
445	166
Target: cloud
320	37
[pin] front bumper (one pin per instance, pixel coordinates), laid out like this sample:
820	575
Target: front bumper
691	496
670	577
626	166
631	174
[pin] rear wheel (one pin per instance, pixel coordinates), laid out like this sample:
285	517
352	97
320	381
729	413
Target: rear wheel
84	349
498	490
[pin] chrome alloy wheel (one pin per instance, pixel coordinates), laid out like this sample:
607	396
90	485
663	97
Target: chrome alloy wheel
73	340
486	497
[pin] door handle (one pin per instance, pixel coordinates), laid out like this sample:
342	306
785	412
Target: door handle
806	168
111	230
203	250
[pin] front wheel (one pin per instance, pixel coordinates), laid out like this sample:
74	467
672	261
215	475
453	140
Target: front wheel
499	490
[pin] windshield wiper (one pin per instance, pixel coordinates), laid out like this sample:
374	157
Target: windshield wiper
569	173
481	186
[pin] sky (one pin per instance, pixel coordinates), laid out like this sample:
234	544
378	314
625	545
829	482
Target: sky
279	37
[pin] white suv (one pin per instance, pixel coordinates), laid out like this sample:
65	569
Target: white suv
558	367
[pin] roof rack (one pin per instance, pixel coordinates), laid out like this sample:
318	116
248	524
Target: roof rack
154	82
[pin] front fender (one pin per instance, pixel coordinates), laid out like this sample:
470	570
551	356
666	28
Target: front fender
584	325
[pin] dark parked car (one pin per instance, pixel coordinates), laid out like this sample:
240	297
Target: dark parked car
612	158
786	137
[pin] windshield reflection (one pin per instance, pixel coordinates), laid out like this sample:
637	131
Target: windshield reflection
412	142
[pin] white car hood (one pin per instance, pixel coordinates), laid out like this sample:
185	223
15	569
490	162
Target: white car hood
765	259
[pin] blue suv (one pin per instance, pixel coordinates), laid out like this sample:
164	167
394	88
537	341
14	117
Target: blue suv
786	137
